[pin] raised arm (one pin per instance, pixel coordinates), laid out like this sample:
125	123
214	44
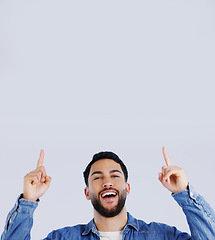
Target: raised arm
200	216
20	219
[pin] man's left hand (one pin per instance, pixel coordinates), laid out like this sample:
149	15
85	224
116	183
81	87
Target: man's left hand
172	177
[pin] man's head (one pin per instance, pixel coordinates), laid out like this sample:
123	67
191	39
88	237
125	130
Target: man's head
107	187
105	155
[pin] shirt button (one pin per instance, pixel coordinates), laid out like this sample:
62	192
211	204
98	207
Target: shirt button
191	194
10	221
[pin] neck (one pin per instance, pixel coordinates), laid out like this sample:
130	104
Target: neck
111	224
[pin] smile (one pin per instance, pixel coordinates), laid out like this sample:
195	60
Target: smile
108	194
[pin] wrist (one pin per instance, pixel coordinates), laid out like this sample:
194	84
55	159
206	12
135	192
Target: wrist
24	196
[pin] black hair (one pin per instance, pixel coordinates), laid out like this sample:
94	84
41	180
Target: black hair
105	155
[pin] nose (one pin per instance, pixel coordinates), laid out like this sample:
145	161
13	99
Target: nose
107	184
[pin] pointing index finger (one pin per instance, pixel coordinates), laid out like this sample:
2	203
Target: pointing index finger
166	157
41	159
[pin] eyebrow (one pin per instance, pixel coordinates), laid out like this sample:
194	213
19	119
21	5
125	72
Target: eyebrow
100	172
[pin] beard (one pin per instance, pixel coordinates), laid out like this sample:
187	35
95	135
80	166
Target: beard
109	212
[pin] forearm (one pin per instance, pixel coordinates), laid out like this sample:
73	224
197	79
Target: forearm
200	216
19	220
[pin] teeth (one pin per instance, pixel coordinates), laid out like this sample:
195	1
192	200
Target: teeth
108	194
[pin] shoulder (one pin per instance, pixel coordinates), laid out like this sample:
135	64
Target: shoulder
68	232
160	229
141	226
152	226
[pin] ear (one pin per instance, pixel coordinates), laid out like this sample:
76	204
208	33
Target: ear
128	188
86	192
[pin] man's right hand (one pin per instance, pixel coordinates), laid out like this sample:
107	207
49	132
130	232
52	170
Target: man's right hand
36	182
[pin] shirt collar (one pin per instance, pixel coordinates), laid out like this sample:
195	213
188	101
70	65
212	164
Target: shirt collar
90	227
132	222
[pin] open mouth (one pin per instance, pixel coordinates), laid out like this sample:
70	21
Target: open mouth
108	194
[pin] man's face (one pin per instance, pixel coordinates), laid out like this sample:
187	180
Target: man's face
107	188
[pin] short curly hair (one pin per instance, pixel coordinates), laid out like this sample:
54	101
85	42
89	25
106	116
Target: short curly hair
105	155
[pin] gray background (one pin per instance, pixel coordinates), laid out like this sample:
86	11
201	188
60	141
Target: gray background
78	77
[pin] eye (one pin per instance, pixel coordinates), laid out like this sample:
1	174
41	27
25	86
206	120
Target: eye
115	176
97	178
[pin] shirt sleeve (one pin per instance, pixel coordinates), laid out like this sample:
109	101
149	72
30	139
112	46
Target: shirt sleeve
19	221
200	216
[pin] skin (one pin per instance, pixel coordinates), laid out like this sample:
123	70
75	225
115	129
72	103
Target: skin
172	177
36	182
104	174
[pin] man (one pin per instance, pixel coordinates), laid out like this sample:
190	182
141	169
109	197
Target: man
107	188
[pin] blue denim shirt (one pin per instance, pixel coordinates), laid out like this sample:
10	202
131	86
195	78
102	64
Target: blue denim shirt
200	217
